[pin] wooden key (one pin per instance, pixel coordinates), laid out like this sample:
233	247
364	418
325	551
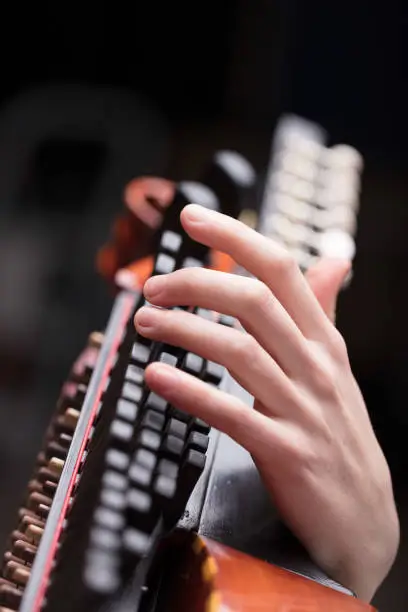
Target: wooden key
30	520
24	550
71	418
96	339
10	596
9	569
17	535
56	466
49	488
43	511
25	512
45	474
34	485
37	498
21	575
8	556
34	533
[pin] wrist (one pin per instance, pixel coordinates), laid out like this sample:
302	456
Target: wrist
372	563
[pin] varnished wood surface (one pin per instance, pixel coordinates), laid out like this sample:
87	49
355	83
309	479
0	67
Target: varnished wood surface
216	578
243	583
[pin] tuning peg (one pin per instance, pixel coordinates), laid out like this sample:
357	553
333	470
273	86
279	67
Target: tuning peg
343	156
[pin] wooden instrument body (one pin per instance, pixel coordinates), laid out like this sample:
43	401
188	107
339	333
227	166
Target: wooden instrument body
206	576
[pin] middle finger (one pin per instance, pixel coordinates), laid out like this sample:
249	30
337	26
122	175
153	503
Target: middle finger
247	299
243	357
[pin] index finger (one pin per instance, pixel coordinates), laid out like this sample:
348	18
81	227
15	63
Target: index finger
266	260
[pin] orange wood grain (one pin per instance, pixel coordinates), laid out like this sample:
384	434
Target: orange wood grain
216	578
247	584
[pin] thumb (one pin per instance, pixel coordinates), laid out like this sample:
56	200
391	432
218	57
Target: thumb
325	279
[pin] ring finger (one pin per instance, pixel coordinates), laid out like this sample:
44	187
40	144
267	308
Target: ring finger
247	299
245	359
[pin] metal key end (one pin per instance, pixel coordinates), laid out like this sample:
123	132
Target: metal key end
126	279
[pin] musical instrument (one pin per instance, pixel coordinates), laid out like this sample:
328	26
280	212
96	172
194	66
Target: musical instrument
124	481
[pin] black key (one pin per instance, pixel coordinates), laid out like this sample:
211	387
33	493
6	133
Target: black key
101	573
172	446
140	353
204	314
180	415
121	434
140	476
154	420
168	358
101	537
214	372
117	460
168	468
132	392
226	320
197	441
164	264
165	486
115	500
155	402
127	410
114	480
109	518
134	374
177	428
145	458
136	542
193	364
191	262
170	241
149	439
140	510
193	464
201	426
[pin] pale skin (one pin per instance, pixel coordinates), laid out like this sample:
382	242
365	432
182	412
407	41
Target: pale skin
333	485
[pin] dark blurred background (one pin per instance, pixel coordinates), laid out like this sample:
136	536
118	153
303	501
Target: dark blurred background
93	94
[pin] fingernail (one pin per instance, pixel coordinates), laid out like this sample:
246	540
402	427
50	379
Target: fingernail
153	287
163	374
195	213
145	317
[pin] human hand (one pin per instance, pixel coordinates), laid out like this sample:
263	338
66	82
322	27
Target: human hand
310	434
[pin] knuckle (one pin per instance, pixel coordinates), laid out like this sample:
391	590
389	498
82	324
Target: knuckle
246	348
301	454
309	458
324	378
259	296
284	264
338	347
